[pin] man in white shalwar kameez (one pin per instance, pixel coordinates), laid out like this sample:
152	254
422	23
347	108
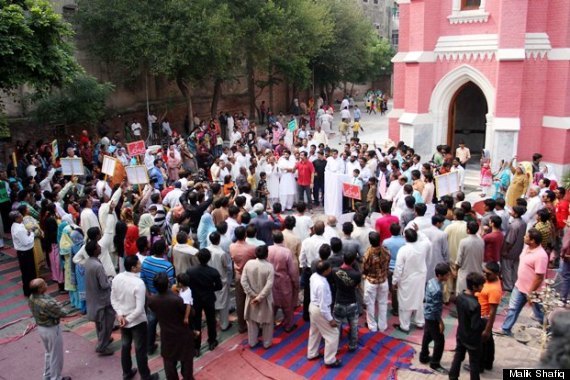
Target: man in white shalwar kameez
287	185
108	220
88	217
409	278
272	171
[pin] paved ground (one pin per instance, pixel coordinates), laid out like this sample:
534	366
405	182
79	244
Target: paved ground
22	359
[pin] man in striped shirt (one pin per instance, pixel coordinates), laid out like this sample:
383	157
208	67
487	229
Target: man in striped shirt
150	268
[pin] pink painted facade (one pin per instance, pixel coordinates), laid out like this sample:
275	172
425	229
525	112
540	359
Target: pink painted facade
516	51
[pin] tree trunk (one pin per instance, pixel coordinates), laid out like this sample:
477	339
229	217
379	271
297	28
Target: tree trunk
270	78
287	97
330	94
351	88
250	69
216	97
184	88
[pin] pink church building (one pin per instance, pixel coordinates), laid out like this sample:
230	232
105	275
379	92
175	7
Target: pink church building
495	74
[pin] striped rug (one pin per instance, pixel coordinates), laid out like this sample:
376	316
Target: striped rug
378	356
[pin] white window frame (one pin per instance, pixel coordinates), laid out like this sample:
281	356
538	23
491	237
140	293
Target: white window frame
459	16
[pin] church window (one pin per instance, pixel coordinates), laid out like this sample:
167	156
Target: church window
470	4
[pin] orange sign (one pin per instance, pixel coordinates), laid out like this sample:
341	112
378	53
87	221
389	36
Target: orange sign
351	191
136	148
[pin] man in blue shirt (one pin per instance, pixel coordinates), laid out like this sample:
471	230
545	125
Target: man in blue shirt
156	174
393	244
151	266
434	323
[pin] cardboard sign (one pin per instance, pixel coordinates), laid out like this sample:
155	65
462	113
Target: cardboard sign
109	164
72	166
137	174
447	184
351	191
136	148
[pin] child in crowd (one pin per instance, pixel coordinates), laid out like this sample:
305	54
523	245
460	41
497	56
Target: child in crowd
356	127
433	330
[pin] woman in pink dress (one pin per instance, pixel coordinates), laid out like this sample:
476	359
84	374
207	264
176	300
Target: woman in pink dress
173	164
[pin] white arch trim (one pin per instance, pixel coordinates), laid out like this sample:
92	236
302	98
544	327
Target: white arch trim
443	94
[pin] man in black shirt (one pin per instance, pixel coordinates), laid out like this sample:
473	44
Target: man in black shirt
319	180
469	329
204	282
346	280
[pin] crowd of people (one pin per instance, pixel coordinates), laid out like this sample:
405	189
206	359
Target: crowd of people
214	217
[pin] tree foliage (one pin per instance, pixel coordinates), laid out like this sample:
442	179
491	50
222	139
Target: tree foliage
82	101
34	46
186	41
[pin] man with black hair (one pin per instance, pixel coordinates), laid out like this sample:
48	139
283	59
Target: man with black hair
128	296
241	253
176	343
286	284
439	247
469	256
433	315
531	272
184	256
346	309
456	231
361	232
290	240
393	245
350	245
383	223
204	282
493	239
469	329
421	221
409	279
409	213
257	281
98	298
323	325
375	272
151	266
303	222
336	259
222	262
309	253
489	299
512	247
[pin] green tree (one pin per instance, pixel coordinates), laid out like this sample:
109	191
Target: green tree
81	101
189	42
34	46
348	54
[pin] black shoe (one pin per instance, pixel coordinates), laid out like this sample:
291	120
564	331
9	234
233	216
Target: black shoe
152	350
397	327
439	369
212	346
319	356
130	375
229	327
337	363
290	329
425	360
68	378
467	367
154	376
352	349
105	352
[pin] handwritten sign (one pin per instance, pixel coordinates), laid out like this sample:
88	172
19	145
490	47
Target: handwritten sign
136	148
351	191
447	184
72	166
109	164
137	174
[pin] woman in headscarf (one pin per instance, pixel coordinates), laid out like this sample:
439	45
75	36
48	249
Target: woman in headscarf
173	164
502	181
79	258
70	241
32	225
205	228
49	224
146	221
519	184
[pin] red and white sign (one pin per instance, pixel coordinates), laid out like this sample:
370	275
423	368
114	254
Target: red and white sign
136	148
351	191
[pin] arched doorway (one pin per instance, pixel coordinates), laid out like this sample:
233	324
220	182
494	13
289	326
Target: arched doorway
467	119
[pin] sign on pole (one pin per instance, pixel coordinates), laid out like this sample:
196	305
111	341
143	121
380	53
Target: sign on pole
109	164
137	175
136	148
351	191
72	166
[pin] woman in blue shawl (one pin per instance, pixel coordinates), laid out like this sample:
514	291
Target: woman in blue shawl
205	228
